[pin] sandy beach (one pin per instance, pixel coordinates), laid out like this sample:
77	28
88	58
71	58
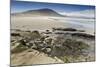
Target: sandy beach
44	23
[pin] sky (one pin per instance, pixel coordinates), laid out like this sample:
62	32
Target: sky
20	6
65	9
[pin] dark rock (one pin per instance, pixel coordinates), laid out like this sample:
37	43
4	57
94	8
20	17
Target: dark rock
83	35
15	34
65	29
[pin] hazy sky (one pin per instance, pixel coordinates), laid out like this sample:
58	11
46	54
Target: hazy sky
20	6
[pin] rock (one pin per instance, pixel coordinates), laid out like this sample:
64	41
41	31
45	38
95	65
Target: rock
65	29
34	46
15	34
22	42
48	40
48	32
48	50
84	35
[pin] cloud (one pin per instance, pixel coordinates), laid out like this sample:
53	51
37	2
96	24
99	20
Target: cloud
84	13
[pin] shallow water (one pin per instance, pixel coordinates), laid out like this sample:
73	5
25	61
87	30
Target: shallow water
87	24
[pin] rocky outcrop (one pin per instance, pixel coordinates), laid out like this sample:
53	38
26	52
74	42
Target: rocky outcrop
62	47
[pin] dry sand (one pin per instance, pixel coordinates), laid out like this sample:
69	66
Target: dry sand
34	23
30	57
44	23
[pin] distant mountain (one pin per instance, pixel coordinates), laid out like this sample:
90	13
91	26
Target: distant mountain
39	12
